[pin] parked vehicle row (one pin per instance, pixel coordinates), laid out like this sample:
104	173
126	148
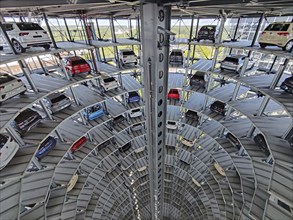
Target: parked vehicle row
278	34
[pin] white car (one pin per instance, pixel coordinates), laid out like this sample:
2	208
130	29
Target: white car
235	63
24	35
136	112
277	34
10	86
127	56
187	142
109	83
8	148
172	124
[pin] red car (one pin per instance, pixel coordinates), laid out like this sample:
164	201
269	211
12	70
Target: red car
78	144
76	65
174	94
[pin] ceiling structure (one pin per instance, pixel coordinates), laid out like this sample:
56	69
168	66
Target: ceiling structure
124	8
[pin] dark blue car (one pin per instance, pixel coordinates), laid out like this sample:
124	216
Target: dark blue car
46	146
93	112
133	97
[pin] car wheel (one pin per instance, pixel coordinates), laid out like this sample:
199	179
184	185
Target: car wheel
198	40
262	45
289	46
213	40
135	63
17	46
47	47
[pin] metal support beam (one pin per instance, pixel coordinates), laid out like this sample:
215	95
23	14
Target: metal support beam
63	67
14	135
114	40
190	39
221	28
259	113
36	163
257	29
244	66
74	96
155	62
59	135
44	107
82	118
279	74
50	31
235	93
41	64
236	29
288	133
67	29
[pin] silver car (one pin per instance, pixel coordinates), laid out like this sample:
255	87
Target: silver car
235	63
55	102
8	148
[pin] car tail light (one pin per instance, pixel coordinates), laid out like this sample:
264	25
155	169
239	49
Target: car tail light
45	32
124	56
11	139
284	34
19	80
23	33
263	33
2	87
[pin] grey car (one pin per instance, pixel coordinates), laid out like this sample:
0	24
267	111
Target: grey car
55	102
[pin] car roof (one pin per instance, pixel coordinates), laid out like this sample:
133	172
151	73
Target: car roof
73	58
107	77
236	56
177	50
124	50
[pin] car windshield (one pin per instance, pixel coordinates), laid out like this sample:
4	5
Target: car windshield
3	140
135	110
132	94
78	62
5	78
174	91
110	79
128	53
58	98
176	53
277	27
231	59
208	28
29	27
8	27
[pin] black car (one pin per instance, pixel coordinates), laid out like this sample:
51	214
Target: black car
261	143
125	147
287	85
26	120
233	140
198	79
191	115
207	32
218	107
118	119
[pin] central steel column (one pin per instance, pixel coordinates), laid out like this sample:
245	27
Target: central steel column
155	41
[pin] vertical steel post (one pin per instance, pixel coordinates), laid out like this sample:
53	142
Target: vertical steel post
221	29
236	29
50	31
155	62
279	74
114	40
257	29
100	38
67	29
41	64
